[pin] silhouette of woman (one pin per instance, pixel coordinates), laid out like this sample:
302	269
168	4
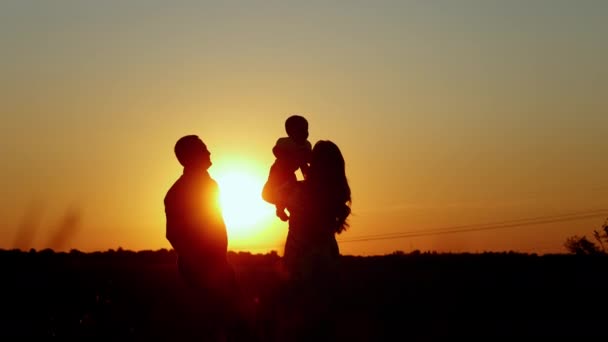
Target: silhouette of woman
319	207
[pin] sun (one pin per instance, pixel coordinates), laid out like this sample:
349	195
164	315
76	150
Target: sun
244	210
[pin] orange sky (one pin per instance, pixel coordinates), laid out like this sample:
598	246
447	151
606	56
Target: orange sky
449	116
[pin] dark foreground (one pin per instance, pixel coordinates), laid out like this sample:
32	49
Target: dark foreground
416	297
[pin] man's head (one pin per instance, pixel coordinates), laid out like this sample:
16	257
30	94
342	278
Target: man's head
296	127
192	153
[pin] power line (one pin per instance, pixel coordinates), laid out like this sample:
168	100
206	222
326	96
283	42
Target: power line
481	227
460	228
475	225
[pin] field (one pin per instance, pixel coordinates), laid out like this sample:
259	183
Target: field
416	297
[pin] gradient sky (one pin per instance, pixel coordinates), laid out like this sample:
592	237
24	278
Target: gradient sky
449	114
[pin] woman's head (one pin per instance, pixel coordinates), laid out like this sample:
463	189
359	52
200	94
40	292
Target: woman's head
327	175
327	160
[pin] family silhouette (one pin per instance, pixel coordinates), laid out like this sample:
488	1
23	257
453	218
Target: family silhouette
318	207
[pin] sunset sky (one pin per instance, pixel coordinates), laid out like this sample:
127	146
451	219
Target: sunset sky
450	115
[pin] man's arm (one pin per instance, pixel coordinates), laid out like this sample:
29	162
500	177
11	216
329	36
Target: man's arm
213	219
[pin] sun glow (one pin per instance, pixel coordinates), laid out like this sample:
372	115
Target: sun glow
245	212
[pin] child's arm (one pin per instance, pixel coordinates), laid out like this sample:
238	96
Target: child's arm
304	167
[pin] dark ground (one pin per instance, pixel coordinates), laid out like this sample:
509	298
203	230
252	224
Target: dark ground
416	297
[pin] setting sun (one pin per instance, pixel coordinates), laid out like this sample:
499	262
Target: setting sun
244	210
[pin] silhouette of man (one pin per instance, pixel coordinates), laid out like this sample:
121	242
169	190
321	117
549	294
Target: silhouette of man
196	230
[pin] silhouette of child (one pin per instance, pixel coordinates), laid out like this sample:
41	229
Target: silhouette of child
292	153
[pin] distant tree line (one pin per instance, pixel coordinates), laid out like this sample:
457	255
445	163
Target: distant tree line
583	246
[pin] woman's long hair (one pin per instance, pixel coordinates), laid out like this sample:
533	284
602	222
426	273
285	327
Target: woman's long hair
327	176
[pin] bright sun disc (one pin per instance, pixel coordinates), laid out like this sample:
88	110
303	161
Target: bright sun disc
241	202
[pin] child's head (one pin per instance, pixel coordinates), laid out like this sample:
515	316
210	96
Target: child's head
296	127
